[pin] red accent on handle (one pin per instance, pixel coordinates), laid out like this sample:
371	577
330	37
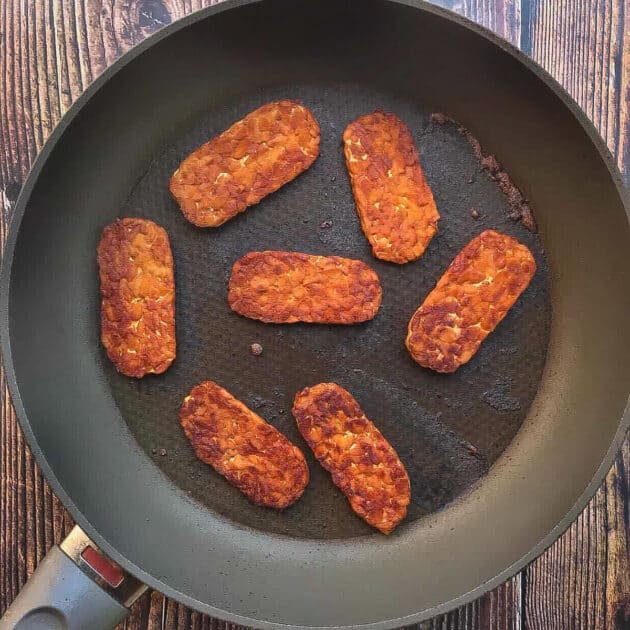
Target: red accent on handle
109	571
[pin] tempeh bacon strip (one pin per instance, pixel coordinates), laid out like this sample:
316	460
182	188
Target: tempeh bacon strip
250	453
394	202
475	293
288	287
363	464
253	158
138	296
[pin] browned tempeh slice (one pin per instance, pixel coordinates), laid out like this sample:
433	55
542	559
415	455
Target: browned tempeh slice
394	201
288	287
138	296
254	157
471	298
362	462
241	446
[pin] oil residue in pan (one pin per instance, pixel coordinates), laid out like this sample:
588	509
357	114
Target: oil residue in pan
447	429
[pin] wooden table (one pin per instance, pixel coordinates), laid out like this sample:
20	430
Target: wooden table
50	50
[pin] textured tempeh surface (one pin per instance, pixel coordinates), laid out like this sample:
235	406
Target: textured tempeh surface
244	448
394	202
289	287
475	293
51	50
253	158
363	464
138	296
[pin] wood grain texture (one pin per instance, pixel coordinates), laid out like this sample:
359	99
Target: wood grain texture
583	581
501	16
50	51
585	45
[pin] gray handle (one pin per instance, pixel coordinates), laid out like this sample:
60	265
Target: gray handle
63	594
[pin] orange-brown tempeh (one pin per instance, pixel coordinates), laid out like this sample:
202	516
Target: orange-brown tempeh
254	157
471	298
288	287
241	446
362	462
138	296
394	202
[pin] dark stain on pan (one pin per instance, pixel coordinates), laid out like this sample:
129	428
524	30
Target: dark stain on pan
447	429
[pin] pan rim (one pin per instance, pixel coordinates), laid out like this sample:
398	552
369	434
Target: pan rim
5	278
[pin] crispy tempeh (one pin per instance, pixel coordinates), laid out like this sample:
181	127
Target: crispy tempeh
254	157
362	462
241	446
288	287
394	202
138	296
470	299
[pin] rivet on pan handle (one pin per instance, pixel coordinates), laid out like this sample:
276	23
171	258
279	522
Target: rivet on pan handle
74	587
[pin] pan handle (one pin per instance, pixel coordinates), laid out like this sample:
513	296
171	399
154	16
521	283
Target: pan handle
74	587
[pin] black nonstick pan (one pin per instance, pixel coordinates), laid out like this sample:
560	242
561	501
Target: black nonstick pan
502	454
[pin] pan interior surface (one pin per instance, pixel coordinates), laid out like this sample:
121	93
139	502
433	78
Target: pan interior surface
447	429
173	521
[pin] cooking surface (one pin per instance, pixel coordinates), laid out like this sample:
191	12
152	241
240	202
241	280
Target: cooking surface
447	429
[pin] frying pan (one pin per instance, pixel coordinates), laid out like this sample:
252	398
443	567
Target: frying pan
502	455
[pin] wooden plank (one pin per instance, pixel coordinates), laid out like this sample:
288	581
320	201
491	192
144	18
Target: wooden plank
50	50
585	45
592	559
623	69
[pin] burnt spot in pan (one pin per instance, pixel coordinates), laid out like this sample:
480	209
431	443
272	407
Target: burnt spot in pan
447	429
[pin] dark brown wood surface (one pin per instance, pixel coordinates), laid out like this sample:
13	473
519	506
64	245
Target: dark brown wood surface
50	50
